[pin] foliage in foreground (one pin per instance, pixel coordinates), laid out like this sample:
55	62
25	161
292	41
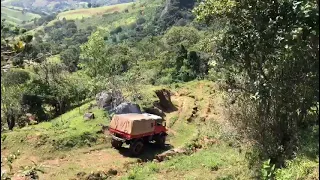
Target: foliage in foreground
271	52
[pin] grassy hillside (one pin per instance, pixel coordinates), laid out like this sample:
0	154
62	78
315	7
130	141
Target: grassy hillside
84	13
93	17
111	21
88	150
16	16
216	162
49	6
69	147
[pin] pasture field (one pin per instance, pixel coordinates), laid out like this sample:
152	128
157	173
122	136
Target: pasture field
15	16
89	12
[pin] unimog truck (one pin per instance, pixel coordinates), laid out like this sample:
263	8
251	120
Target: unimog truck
136	130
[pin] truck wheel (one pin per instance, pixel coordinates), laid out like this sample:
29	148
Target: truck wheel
136	148
116	144
161	141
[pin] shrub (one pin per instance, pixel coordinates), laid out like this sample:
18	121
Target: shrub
17	61
116	30
141	20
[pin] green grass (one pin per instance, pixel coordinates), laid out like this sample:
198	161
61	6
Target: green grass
16	16
216	162
110	21
93	17
219	160
88	12
184	133
299	168
66	131
306	164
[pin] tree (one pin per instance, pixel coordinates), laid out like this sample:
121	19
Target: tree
181	22
274	47
181	56
89	5
141	20
26	38
12	88
70	57
55	87
93	54
193	62
116	30
186	36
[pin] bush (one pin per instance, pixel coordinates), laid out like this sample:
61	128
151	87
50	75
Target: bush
132	26
186	36
27	38
181	22
165	80
116	30
141	20
17	61
277	94
122	37
15	77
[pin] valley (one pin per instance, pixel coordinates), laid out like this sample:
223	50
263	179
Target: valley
235	82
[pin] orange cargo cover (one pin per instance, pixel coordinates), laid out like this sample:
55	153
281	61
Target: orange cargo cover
134	124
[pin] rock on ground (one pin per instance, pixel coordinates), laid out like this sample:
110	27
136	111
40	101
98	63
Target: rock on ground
88	116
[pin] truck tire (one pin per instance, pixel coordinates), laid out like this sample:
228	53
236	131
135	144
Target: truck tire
161	141
136	148
116	144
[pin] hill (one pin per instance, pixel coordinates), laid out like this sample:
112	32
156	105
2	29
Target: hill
84	13
89	151
17	15
71	147
48	6
244	91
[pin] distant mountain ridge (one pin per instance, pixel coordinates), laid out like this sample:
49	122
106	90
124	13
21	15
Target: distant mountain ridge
51	6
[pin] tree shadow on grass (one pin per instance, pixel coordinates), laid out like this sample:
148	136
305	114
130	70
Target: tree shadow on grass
149	152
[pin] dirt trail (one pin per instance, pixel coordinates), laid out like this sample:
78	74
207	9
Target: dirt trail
79	160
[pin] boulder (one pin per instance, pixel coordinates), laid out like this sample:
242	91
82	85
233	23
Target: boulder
88	116
104	99
125	108
154	110
109	100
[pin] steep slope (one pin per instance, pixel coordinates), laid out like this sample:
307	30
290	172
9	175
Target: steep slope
17	16
194	126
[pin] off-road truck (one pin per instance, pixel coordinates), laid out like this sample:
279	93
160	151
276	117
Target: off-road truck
136	130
